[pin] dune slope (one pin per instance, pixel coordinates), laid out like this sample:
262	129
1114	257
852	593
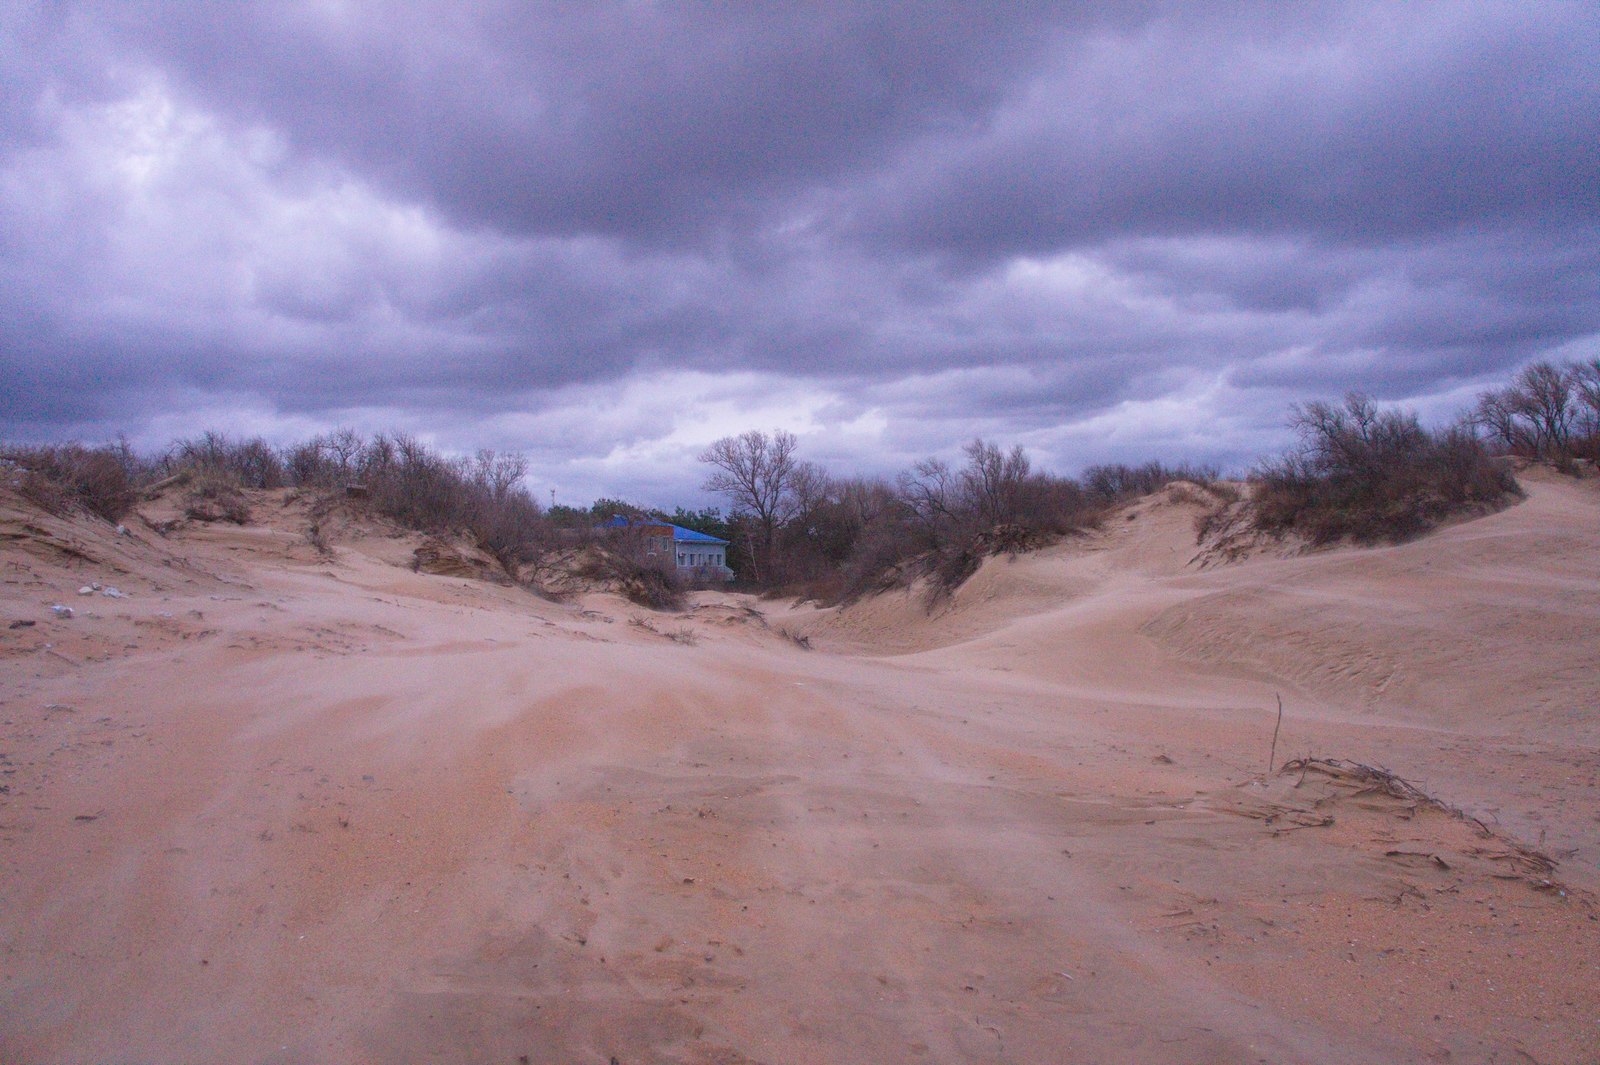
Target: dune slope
274	806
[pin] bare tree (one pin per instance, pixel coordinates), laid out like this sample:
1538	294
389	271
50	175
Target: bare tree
1586	386
931	492
1499	415
1586	379
809	488
1546	394
342	446
865	500
498	473
993	480
757	473
1547	411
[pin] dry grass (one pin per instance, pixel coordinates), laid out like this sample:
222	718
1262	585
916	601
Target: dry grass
213	496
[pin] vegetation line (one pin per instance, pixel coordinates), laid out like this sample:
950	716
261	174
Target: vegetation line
1359	472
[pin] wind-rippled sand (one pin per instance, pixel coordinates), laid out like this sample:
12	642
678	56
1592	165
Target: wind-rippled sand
274	807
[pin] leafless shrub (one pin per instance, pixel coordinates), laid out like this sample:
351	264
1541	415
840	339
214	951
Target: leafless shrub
800	640
1212	521
877	561
1586	386
1118	482
995	503
248	463
1373	475
402	479
104	481
414	485
1186	494
939	522
646	582
826	588
330	460
1221	507
408	482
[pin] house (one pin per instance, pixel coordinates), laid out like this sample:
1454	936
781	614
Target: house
696	555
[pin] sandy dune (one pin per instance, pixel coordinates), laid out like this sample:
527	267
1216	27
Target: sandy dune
275	807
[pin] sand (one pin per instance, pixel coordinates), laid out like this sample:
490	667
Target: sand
277	806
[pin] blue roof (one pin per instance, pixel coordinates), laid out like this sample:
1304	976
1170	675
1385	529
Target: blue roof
691	536
679	533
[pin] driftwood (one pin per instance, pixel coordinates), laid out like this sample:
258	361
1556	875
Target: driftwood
181	477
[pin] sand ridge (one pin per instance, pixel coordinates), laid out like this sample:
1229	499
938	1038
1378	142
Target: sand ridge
277	805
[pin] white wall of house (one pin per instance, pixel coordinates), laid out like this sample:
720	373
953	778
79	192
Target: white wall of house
693	556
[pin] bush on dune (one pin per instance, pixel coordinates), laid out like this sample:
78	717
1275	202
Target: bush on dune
250	463
482	496
621	562
103	481
216	496
1118	482
402	479
1373	475
998	504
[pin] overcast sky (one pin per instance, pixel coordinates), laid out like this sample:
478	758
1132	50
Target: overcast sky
607	234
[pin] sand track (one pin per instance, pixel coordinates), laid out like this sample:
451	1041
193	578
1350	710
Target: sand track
280	808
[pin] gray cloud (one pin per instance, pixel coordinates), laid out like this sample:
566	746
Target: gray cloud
636	120
606	234
1390	124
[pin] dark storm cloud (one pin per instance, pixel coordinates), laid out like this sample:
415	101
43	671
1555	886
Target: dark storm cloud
639	120
604	233
1391	122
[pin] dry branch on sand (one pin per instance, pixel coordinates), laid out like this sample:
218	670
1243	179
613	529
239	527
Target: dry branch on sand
1370	778
800	640
1357	779
683	634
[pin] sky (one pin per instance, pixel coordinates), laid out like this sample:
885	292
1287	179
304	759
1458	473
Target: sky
607	234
